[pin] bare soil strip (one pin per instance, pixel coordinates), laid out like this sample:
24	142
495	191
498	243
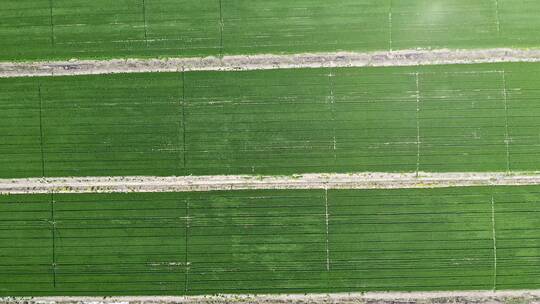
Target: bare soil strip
268	62
368	180
517	296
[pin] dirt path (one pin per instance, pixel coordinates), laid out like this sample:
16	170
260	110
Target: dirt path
246	182
266	62
510	297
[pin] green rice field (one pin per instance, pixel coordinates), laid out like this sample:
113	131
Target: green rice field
433	119
270	241
65	29
436	118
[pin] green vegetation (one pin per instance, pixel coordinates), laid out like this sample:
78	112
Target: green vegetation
517	223
280	122
270	241
20	136
467	117
112	125
104	125
64	29
462	120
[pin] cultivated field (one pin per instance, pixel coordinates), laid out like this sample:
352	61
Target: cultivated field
437	118
270	241
47	29
419	120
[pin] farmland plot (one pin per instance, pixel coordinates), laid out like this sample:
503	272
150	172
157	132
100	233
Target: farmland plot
89	125
405	119
65	29
269	241
133	126
20	129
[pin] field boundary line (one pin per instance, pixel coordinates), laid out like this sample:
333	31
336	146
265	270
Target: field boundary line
417	78
507	138
145	23
186	244
183	122
53	239
331	76
366	180
390	27
497	17
327	229
221	27
525	296
268	62
51	7
494	243
41	132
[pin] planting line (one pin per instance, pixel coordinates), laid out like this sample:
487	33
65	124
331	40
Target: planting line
268	62
514	296
369	180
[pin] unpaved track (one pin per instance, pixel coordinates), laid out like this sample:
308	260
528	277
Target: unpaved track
245	182
267	62
511	297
